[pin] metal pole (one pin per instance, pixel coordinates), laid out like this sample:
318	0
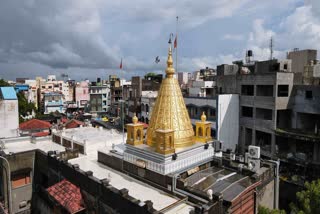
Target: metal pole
8	184
276	191
177	45
123	122
122	115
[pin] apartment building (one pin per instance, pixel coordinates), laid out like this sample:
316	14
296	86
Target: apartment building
99	99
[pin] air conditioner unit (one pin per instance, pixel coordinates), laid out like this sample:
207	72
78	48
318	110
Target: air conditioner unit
254	152
232	156
241	159
253	164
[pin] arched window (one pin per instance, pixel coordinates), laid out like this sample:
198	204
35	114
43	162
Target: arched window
142	107
147	108
147	120
139	134
200	132
208	132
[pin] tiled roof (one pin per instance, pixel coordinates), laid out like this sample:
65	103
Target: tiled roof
8	93
64	120
34	124
73	124
68	195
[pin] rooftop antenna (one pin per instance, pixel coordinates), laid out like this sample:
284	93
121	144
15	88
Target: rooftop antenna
271	48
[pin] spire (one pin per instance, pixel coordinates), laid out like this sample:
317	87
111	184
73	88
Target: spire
170	70
169	112
134	119
203	117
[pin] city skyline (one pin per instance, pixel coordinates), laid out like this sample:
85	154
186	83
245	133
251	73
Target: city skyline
87	39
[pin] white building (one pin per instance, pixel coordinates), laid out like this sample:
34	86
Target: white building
183	78
9	114
148	99
202	88
99	99
222	111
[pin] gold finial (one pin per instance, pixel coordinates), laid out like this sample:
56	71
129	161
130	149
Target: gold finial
170	70
203	117
134	119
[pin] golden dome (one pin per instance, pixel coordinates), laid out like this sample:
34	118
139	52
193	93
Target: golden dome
134	119
203	117
170	112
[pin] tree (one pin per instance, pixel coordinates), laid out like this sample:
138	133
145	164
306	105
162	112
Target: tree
308	200
4	83
24	106
264	210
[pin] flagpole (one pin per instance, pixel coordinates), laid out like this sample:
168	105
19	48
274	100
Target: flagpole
177	44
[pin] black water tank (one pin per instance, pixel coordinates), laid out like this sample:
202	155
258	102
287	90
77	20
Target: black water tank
98	79
249	53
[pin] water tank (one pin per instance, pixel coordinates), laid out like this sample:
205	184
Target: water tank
249	53
98	79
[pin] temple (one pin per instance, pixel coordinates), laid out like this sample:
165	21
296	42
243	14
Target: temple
170	143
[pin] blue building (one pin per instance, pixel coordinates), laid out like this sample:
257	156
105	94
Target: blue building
53	102
21	87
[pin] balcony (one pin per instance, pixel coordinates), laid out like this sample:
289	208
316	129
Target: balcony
298	134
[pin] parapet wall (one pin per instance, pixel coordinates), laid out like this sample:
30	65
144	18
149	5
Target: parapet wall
99	196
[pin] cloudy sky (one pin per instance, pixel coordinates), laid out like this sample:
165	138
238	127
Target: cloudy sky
88	38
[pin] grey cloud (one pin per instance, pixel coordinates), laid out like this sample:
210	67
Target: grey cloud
58	33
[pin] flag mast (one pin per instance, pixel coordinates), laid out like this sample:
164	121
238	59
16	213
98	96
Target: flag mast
176	44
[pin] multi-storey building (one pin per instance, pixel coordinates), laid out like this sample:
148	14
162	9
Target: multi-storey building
9	116
147	101
53	102
99	99
138	86
263	93
82	95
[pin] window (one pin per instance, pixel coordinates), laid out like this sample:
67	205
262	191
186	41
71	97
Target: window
265	90
264	114
247	90
246	111
285	66
20	178
283	90
309	95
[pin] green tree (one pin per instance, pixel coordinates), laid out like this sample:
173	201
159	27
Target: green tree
308	200
3	83
264	210
24	106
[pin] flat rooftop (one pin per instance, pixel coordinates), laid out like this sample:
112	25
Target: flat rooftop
99	140
23	144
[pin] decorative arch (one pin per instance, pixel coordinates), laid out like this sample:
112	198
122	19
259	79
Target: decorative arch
200	131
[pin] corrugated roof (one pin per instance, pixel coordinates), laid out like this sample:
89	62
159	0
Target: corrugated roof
8	93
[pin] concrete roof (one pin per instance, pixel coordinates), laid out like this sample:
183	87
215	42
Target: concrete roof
23	144
100	140
103	140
